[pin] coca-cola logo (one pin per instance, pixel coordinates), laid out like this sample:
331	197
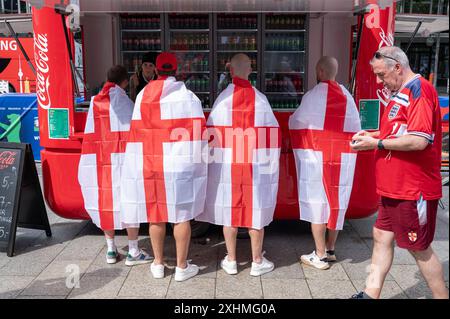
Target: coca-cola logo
385	39
7	158
42	72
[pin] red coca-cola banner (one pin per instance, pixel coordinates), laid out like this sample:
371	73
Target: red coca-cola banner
54	84
378	31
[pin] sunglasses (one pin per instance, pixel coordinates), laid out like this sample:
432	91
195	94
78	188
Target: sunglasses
378	55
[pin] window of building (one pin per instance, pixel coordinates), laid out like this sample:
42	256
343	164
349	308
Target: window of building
423	7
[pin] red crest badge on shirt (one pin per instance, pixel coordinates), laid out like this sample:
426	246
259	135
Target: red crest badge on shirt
412	236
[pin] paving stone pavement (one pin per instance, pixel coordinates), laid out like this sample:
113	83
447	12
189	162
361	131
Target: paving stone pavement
49	267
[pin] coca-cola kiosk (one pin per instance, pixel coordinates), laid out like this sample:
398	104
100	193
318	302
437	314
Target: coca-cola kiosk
283	47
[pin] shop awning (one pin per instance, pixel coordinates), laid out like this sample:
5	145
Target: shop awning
21	23
190	6
407	23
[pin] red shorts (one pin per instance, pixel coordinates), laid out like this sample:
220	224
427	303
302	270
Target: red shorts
412	222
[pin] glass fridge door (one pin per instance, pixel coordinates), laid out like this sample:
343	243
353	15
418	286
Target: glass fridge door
189	39
236	33
284	59
140	33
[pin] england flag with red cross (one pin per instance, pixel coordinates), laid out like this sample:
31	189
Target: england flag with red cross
165	167
243	167
321	130
99	170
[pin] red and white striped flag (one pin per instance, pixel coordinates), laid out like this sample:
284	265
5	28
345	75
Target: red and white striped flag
321	130
164	174
244	155
105	135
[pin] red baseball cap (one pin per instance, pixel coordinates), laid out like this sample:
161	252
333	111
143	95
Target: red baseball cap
166	62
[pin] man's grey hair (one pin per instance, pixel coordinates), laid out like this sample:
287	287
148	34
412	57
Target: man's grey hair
395	53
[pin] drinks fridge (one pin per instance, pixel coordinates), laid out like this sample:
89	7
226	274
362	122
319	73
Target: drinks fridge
205	43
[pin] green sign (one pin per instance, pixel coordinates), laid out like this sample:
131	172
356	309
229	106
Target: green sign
369	113
58	123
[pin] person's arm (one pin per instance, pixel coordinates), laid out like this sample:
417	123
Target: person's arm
403	143
133	85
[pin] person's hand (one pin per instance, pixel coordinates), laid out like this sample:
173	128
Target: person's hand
134	80
363	142
361	133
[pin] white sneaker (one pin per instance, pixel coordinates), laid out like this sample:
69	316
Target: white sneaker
315	261
157	270
230	267
184	274
260	269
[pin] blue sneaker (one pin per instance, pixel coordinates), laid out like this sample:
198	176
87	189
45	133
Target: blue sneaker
142	258
112	257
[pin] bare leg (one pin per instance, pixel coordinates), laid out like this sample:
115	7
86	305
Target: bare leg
230	234
157	235
133	233
331	238
182	234
109	234
318	231
431	269
256	238
382	256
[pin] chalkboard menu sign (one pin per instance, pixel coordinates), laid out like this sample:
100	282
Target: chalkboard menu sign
21	201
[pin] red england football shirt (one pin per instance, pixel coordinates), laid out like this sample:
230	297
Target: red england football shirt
408	175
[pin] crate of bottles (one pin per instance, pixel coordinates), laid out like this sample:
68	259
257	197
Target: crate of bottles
284	83
284	42
237	21
140	22
285	22
189	42
141	42
198	83
237	41
284	102
181	21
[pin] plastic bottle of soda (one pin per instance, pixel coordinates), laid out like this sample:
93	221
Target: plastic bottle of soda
252	43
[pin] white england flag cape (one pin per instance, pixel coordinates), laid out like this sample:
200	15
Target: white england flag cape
105	135
164	175
244	157
321	130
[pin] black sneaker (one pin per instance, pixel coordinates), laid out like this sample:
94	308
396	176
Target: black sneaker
361	295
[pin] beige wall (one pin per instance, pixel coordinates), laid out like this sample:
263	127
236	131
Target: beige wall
99	47
329	34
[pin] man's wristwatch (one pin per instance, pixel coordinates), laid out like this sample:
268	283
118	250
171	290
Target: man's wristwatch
380	144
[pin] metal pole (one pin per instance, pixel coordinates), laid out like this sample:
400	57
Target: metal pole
18	7
436	59
2	2
14	34
413	35
358	41
69	49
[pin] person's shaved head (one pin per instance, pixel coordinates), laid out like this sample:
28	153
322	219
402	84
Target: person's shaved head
241	66
327	69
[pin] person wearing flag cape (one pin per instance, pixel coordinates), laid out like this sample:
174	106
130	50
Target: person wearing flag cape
321	130
99	169
243	167
164	175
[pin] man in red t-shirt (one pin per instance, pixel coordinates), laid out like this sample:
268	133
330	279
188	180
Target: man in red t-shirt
407	171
